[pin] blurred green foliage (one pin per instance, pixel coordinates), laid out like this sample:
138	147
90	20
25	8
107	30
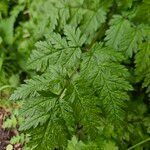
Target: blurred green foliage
24	22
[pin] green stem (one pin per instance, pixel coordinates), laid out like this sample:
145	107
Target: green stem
138	144
5	86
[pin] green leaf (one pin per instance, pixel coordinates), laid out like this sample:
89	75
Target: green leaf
142	61
37	111
41	83
74	144
7	25
109	145
107	78
130	41
92	20
57	51
142	14
118	27
74	36
46	136
124	3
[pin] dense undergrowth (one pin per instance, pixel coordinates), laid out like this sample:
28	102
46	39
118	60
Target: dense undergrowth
81	70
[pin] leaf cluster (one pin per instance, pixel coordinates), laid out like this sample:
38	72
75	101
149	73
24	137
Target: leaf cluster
91	83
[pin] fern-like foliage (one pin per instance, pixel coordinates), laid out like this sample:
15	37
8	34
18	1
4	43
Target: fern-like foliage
86	14
107	79
57	50
143	10
63	98
142	65
119	25
82	83
124	36
7	25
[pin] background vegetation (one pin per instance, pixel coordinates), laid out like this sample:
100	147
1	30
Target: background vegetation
115	33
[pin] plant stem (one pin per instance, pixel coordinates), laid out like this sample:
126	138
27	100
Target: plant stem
138	144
